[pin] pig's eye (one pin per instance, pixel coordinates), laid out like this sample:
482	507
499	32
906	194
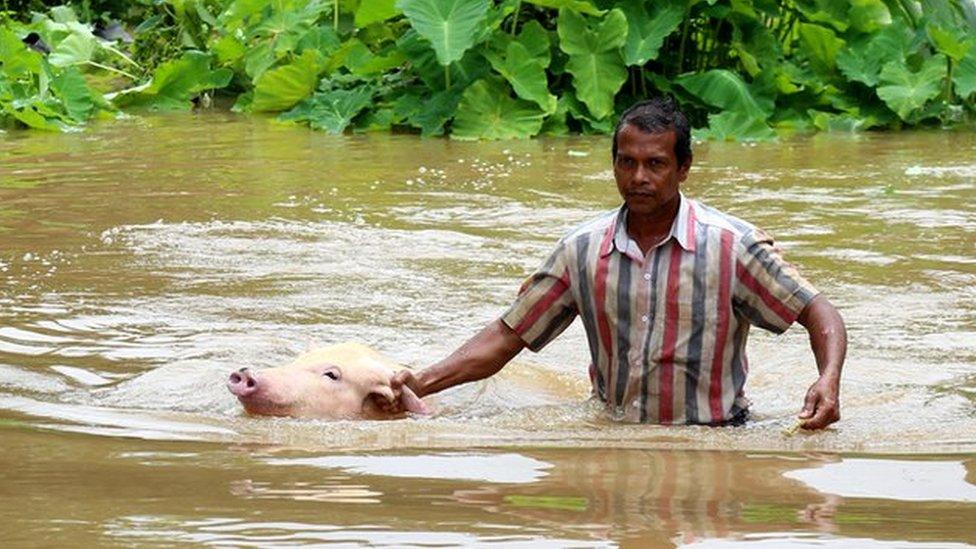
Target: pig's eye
331	374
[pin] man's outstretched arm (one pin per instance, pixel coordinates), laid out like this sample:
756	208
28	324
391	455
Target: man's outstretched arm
481	356
828	338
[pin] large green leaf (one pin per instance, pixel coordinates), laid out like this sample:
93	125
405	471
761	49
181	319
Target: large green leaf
953	44
331	111
526	74
820	45
175	83
907	92
646	32
374	11
581	6
427	111
595	60
725	90
281	88
868	15
78	47
487	112
736	126
470	68
832	12
17	60
451	26
361	61
964	77
863	58
75	95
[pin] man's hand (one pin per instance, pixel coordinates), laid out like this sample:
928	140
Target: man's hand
822	404
481	356
828	339
401	379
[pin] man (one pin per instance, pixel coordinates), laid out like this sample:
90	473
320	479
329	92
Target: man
667	289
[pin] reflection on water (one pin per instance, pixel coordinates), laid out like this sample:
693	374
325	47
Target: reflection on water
142	260
131	491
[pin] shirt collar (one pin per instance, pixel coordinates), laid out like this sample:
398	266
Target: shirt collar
682	229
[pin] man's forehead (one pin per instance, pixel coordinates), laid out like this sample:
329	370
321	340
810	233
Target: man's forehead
635	137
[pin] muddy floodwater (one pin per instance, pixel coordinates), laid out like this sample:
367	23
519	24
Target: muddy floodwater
144	259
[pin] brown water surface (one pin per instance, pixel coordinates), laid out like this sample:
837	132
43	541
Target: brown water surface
143	259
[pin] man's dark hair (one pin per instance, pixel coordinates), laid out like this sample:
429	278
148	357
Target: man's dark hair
658	115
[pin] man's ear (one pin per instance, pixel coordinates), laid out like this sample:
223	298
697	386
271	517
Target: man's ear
409	401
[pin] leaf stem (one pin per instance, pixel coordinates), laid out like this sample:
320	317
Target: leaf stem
111	69
515	16
335	15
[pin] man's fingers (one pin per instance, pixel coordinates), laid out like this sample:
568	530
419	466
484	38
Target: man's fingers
826	414
809	404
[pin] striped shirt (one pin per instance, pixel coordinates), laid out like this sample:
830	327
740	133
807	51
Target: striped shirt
667	331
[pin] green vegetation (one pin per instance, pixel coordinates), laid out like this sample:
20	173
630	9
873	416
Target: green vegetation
745	69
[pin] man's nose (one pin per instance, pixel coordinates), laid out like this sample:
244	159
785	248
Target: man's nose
642	175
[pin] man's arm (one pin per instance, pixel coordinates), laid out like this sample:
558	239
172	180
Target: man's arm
828	338
481	356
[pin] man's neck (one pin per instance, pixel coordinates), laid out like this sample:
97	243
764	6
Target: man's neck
651	228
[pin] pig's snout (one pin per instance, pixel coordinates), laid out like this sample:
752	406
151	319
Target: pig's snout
242	383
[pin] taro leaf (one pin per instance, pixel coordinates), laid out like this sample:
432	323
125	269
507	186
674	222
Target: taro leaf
285	29
555	123
594	57
907	92
868	15
487	112
229	50
646	33
428	112
964	76
451	26
470	68
954	45
78	47
75	94
581	6
331	111
281	88
17	59
736	126
374	11
831	12
526	74
725	90
840	123
863	58
259	59
30	117
363	62
175	83
533	37
321	39
821	46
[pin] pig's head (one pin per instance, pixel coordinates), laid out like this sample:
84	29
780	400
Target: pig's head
316	389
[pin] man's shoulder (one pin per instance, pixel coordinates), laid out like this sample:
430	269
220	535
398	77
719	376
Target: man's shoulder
713	217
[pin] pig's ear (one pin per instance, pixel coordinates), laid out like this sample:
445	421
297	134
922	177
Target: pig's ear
409	401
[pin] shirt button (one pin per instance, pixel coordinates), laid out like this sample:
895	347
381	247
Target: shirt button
644	318
647	276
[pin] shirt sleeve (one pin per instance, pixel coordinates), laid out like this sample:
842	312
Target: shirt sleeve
545	305
769	291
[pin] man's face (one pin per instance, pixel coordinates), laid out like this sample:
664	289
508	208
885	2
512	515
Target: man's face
647	170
